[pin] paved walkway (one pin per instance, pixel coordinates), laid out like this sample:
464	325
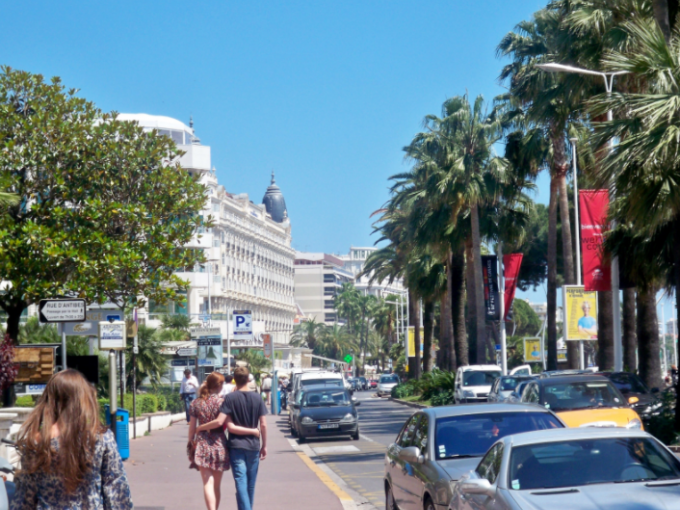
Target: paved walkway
160	477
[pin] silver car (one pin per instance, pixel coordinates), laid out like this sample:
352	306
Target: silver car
386	383
439	445
579	468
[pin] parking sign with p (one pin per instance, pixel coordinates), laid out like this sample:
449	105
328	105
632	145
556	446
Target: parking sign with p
243	325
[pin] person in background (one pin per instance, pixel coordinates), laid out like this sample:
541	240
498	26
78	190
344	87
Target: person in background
68	459
252	384
243	408
228	386
187	390
267	388
209	447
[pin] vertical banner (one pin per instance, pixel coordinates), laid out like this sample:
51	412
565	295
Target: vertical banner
580	313
511	264
491	294
412	342
596	269
267	345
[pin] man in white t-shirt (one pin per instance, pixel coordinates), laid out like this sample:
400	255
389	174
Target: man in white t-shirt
228	386
267	387
187	390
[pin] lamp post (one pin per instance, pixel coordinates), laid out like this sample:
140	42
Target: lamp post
582	362
608	78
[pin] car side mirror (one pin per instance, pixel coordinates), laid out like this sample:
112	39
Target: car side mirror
655	390
477	486
412	455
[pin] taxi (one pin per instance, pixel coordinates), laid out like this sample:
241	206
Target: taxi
584	401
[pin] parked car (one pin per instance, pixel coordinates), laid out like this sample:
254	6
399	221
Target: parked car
364	383
309	379
516	396
386	383
505	386
440	444
560	373
630	385
572	468
353	384
373	383
583	401
325	411
473	382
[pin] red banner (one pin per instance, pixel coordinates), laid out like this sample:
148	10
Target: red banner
511	265
597	274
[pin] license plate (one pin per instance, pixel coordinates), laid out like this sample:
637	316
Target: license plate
329	426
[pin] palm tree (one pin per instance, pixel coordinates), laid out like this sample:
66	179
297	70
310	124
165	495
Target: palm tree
336	342
347	305
176	321
149	361
307	333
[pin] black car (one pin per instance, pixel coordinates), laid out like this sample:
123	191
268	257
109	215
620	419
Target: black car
630	385
325	411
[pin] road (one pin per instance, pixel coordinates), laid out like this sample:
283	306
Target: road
361	463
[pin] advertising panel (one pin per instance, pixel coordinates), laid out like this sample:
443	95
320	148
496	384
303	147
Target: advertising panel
532	350
209	346
267	345
594	205
112	336
491	293
580	313
36	364
511	264
412	342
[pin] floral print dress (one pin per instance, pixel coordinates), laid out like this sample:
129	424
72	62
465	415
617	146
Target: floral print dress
211	445
105	488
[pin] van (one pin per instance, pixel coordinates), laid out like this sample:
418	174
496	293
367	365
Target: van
473	382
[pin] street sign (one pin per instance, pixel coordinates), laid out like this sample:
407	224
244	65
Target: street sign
186	352
112	336
243	325
209	346
267	345
348	358
92	319
62	310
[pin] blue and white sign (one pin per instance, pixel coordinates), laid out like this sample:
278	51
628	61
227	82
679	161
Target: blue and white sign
112	336
91	325
243	325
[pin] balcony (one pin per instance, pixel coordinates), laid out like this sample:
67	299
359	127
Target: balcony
196	157
201	241
194	279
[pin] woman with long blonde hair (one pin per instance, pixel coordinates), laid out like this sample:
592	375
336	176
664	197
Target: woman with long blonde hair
208	449
68	459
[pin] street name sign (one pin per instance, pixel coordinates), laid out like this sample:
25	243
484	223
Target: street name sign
186	352
62	310
112	336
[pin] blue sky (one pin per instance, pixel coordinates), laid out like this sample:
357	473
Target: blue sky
324	93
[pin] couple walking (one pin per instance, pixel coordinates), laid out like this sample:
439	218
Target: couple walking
242	414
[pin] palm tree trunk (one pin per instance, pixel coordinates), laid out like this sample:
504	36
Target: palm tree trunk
470	301
416	335
629	333
605	331
428	329
458	310
480	314
567	254
445	326
676	276
552	276
648	336
662	17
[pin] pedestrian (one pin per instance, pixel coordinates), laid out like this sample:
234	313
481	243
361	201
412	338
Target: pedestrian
187	390
208	449
243	408
267	387
252	384
228	385
68	459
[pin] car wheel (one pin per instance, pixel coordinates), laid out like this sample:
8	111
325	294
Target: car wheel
428	504
301	439
355	436
293	432
389	500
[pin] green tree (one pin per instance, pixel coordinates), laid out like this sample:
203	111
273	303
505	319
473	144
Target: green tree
149	362
307	333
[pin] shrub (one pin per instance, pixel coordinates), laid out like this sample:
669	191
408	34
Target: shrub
25	401
435	382
442	398
174	403
661	423
162	402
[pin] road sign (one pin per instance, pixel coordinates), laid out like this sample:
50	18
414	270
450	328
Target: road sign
112	336
92	319
62	310
188	352
348	358
267	345
243	325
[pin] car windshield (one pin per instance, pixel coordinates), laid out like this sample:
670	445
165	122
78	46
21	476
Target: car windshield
580	395
389	379
472	435
480	378
628	383
508	384
325	382
329	397
590	461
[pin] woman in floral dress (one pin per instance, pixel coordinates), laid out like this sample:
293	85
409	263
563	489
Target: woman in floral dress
69	461
208	449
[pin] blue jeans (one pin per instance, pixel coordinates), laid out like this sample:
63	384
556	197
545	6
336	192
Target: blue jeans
188	399
244	464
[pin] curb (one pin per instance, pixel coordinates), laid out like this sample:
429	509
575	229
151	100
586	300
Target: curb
349	499
415	405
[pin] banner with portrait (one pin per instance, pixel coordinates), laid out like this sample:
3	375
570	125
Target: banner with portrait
594	205
580	313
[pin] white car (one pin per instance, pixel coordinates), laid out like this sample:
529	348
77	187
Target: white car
473	382
386	383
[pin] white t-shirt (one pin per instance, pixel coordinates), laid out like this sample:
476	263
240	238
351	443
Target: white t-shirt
226	389
267	384
189	385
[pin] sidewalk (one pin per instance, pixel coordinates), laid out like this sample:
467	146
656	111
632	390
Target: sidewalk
160	478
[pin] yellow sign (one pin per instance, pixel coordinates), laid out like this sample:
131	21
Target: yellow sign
532	350
561	355
412	342
580	313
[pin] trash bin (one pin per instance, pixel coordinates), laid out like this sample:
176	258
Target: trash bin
122	430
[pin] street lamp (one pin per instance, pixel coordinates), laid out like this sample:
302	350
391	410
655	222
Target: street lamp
553	67
209	262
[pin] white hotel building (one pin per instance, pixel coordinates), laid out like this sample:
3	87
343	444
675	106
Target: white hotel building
250	260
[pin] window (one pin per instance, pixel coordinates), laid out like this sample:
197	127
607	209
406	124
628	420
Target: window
420	437
479	378
491	464
329	278
329	317
408	431
329	305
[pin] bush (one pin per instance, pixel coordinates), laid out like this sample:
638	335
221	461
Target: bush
661	424
403	390
443	398
25	401
436	382
162	402
174	403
